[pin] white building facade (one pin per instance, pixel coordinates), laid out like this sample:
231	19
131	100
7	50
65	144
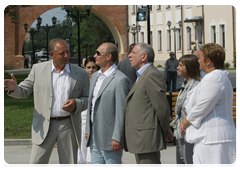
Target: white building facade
191	27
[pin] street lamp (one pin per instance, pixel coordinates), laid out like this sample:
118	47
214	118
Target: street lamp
174	31
46	28
135	29
32	32
78	17
144	15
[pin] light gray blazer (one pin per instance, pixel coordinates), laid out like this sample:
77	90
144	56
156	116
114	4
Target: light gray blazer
39	80
108	121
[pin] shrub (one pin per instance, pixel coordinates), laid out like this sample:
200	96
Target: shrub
227	65
159	65
235	59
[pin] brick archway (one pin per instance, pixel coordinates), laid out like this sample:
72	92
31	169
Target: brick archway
115	16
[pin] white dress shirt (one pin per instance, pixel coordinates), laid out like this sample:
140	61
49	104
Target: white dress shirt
60	89
209	110
98	84
141	70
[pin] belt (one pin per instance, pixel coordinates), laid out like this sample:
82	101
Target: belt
59	118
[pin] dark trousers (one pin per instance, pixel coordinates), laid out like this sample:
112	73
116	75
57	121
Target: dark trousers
148	158
172	79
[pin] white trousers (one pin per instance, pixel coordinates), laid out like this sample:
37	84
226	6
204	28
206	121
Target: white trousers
222	153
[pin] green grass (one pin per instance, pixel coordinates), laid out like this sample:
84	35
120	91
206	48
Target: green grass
17	114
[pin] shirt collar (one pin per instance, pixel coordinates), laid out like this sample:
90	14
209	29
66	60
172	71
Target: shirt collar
142	69
66	68
108	72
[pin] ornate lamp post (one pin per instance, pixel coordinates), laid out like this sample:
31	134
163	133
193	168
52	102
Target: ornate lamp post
46	28
78	17
174	31
32	32
135	29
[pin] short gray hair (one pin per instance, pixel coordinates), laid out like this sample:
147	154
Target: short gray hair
53	42
146	48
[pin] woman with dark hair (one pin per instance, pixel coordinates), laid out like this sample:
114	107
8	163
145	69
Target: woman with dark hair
188	69
209	122
84	156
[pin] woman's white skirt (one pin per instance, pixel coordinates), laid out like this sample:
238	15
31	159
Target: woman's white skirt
84	156
221	153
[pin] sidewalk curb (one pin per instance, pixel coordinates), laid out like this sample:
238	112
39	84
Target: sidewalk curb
12	142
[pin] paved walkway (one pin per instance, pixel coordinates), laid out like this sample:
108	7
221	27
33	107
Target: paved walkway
18	152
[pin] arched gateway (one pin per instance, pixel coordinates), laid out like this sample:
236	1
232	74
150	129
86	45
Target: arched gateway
115	16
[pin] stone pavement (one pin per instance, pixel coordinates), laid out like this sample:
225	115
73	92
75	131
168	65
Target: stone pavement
18	152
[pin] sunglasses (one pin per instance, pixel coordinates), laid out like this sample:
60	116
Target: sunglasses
99	53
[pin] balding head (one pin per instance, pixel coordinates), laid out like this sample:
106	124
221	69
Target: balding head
197	53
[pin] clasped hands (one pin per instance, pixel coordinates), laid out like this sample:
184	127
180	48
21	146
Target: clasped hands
183	125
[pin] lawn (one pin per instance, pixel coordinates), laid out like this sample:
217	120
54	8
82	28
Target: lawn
17	114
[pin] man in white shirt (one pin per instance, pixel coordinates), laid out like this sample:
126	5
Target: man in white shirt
105	117
60	95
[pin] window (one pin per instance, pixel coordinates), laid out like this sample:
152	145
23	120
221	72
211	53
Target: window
133	9
168	6
222	35
159	7
213	34
150	7
189	38
159	40
141	36
151	39
178	39
168	40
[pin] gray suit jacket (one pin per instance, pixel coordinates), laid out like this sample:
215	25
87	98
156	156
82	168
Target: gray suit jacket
147	114
108	121
39	80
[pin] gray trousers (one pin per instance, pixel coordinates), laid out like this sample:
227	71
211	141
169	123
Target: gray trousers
148	158
60	131
184	152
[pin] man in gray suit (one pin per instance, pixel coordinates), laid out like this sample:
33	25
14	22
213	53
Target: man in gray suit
60	95
147	109
105	116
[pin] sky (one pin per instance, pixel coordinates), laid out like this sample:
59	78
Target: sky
47	16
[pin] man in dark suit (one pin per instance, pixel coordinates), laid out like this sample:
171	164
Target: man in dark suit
147	109
125	67
60	95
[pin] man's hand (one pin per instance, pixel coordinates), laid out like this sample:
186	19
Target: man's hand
69	105
86	136
116	146
10	84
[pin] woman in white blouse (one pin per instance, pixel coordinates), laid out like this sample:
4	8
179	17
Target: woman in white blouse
84	156
209	121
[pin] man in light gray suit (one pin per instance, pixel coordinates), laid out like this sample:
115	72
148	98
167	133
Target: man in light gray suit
105	116
60	95
147	109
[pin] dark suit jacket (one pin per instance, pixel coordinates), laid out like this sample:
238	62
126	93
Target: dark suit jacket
147	113
125	67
